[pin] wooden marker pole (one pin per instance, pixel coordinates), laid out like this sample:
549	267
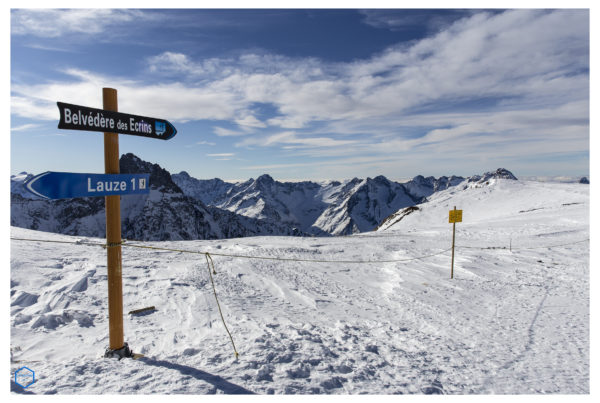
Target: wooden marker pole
453	237
113	231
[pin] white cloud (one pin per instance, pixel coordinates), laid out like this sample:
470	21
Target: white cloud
201	143
222	132
24	127
288	122
170	61
526	69
172	101
179	64
49	48
410	19
250	121
291	140
53	23
29	107
222	155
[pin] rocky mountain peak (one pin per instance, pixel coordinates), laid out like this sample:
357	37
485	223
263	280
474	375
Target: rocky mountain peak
160	178
380	179
499	173
502	173
421	180
265	179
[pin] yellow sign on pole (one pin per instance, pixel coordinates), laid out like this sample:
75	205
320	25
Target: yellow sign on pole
455	216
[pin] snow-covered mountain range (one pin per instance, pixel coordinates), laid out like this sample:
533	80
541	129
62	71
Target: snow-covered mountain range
329	207
165	214
182	207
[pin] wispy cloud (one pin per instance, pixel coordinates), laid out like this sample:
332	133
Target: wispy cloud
250	122
24	127
201	143
484	82
49	48
222	155
223	132
54	23
179	64
134	97
291	140
410	19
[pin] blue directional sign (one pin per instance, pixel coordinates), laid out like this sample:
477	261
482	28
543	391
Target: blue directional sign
66	185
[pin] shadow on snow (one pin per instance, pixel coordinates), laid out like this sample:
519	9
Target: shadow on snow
217	381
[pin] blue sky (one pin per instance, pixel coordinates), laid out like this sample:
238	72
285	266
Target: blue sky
309	94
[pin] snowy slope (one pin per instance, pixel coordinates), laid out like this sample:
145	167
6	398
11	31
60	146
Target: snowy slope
501	202
510	322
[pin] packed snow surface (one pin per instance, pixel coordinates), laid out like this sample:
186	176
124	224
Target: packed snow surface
514	320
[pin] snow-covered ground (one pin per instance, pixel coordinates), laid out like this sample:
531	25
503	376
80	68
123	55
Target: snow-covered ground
512	321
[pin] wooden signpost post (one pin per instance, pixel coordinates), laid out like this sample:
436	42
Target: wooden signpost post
113	233
453	217
111	185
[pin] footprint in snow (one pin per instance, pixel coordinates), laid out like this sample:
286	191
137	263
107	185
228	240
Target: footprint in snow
303	371
333	383
436	388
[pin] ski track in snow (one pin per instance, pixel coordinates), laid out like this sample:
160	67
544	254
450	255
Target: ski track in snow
510	322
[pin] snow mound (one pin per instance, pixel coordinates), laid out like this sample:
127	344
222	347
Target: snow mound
499	202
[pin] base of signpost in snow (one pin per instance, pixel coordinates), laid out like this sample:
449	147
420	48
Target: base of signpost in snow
123	352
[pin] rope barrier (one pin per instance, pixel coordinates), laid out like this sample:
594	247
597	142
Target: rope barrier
122	243
283	259
130	245
55	241
553	246
517	248
209	263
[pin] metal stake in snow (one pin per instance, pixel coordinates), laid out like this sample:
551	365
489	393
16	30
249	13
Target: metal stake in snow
453	217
